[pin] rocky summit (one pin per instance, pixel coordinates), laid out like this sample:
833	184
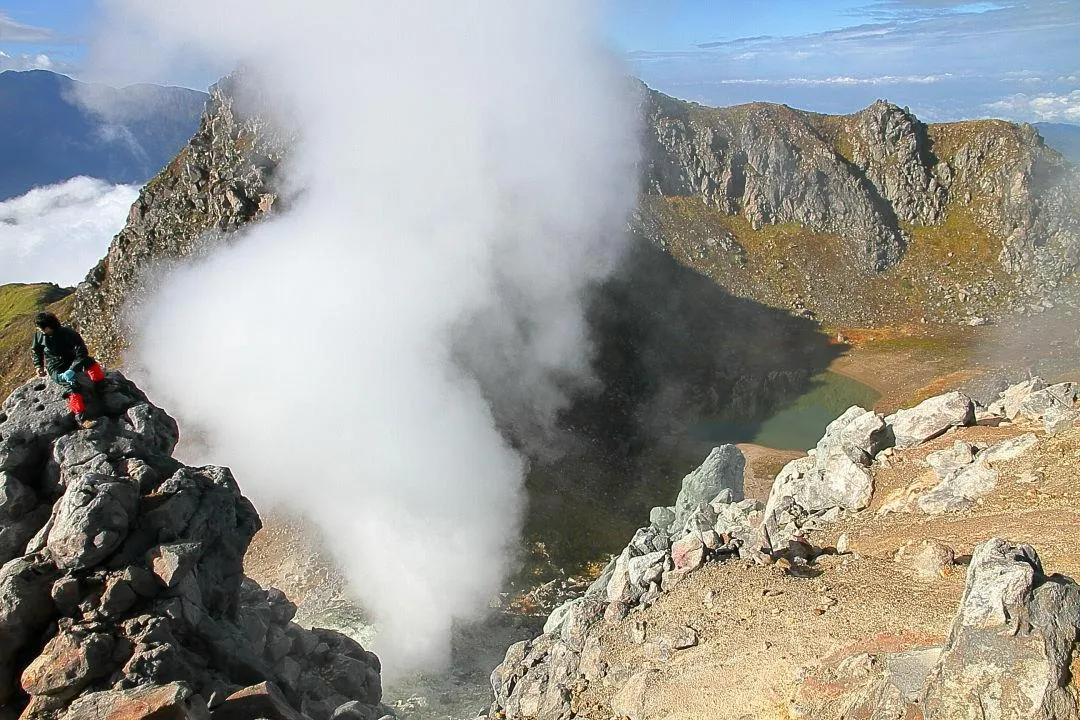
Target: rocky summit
122	591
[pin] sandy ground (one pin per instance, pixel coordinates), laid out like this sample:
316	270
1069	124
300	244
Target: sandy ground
762	630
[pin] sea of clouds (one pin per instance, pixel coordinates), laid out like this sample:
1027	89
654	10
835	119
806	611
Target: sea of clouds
57	233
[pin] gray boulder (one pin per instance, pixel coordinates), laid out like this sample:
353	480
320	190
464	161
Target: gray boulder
25	609
1009	449
1051	401
960	489
809	486
20	516
858	434
1009	403
91	520
644	570
931	418
948	461
1010	647
662	517
722	470
30	419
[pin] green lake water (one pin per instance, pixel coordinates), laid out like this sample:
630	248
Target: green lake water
799	425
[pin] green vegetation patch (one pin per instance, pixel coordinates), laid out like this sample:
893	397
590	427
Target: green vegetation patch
18	303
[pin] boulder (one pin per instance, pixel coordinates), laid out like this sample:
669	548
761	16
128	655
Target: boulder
662	517
263	700
946	462
930	418
171	701
646	569
960	489
25	609
688	553
70	661
91	520
722	470
816	485
858	434
32	417
173	561
1014	395
1050	401
928	559
1009	651
1008	449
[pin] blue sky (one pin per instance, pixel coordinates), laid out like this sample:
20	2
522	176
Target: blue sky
946	59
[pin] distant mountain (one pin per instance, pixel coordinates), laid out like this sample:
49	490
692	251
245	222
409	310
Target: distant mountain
1063	137
47	135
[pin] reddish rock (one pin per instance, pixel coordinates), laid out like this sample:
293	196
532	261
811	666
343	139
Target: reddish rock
69	662
688	553
257	701
174	701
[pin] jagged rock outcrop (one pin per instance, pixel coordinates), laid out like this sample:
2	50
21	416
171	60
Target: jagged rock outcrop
893	149
221	180
1009	652
772	165
122	591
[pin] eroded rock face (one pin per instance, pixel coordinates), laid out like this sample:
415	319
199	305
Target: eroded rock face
771	165
128	596
221	180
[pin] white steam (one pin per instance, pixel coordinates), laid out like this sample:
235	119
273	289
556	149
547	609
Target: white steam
54	233
467	169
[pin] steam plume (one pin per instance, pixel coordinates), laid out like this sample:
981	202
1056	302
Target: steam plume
466	171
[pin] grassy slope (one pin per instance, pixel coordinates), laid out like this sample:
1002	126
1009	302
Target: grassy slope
18	303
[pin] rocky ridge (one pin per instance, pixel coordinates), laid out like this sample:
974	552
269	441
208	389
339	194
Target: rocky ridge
1012	615
122	591
865	187
222	179
870	176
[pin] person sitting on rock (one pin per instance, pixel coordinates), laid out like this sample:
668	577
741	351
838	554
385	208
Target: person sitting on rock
60	353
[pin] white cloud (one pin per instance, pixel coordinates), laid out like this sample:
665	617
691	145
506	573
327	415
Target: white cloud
467	176
37	61
57	233
837	80
15	32
1048	107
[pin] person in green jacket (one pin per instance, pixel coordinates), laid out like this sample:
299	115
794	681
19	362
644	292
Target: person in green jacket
60	353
